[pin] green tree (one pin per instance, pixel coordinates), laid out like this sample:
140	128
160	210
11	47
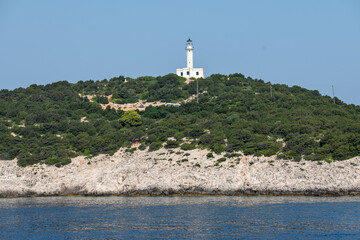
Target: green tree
132	118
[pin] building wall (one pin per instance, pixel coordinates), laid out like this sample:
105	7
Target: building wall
190	72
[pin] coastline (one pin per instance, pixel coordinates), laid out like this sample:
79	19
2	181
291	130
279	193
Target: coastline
181	173
198	194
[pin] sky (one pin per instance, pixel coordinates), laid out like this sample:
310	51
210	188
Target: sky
312	44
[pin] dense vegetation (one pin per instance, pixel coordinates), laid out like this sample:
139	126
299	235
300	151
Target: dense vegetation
42	123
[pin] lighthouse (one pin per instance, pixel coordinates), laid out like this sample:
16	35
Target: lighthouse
189	53
190	71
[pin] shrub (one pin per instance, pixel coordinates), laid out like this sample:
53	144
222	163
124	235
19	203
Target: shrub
65	161
172	144
155	146
219	148
220	160
142	147
232	155
87	152
103	100
209	155
187	146
51	160
130	150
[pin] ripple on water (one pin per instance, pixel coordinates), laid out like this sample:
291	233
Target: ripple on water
196	217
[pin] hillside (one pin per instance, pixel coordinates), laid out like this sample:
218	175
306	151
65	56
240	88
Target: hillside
59	121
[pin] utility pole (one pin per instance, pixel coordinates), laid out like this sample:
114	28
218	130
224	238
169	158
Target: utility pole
99	93
270	90
333	93
197	90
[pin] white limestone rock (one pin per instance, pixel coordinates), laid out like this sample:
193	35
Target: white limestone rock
166	172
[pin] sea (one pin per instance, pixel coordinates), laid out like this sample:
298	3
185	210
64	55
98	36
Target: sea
180	217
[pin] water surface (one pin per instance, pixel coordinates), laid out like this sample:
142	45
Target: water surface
205	217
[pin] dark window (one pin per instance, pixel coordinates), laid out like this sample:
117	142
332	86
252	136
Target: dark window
187	73
181	74
197	73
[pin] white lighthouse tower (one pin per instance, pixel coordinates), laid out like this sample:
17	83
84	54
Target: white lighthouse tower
189	54
190	71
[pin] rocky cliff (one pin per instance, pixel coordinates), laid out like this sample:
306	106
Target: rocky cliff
177	172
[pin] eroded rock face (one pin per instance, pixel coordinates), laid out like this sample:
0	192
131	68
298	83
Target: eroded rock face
178	172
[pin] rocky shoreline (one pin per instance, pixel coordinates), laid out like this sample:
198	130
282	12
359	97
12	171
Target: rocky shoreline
177	172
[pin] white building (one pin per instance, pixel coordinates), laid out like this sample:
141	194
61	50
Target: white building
190	71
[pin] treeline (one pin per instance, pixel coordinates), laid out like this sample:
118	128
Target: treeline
53	123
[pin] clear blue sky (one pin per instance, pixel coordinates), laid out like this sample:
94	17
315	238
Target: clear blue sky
313	44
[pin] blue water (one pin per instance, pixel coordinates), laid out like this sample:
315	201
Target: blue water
180	218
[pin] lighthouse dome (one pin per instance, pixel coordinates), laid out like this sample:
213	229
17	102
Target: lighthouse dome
189	44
